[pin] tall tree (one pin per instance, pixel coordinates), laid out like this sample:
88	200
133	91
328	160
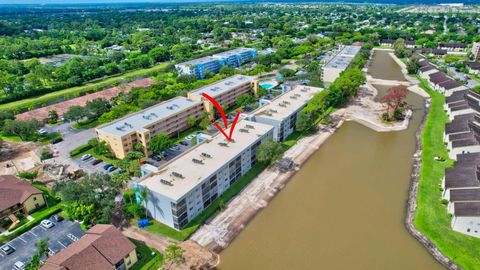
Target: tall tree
26	130
269	151
160	143
174	255
75	113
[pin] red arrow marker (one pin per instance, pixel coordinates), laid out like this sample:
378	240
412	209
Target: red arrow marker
224	117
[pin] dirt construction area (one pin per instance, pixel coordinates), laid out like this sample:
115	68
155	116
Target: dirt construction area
17	157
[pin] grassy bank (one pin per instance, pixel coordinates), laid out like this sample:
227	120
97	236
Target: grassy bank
34	102
431	217
145	259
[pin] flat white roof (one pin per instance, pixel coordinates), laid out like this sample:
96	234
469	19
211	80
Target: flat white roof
197	61
233	52
222	86
342	59
216	56
212	155
139	120
284	105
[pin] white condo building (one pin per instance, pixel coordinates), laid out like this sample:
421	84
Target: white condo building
187	185
282	112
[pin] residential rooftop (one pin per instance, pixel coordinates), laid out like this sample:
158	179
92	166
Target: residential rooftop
215	57
101	247
139	120
14	191
467	209
233	52
201	60
343	58
186	172
284	105
222	86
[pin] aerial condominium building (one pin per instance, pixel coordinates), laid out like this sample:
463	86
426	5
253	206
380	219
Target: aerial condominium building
169	117
338	63
233	58
187	185
224	92
282	112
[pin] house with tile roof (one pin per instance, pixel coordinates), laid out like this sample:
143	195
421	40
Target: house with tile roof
102	247
18	197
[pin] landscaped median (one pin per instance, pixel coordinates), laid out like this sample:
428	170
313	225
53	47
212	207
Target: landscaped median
431	216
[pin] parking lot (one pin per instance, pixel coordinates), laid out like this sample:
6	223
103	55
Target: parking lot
63	234
171	153
87	165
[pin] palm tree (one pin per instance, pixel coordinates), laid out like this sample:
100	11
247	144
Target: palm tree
144	195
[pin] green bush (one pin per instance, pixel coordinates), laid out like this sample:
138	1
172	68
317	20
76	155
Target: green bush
82	149
28	175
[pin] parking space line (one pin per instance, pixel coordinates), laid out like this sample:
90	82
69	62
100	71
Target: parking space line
2	255
20	237
10	244
31	231
62	244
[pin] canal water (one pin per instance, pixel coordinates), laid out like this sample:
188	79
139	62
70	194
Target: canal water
343	210
382	66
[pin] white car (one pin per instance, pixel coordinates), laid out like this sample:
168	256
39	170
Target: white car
42	131
19	265
189	137
47	224
86	157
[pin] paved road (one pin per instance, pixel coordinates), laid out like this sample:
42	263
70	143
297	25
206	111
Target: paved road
72	138
460	75
63	234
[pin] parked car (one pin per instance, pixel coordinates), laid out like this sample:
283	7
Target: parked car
107	166
86	157
120	171
56	218
111	169
184	143
96	161
189	137
47	224
19	265
7	249
156	158
56	140
42	132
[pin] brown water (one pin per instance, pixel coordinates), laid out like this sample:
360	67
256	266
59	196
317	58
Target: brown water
343	210
384	67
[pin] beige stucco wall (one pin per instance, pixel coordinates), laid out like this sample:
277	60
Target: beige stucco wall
29	204
132	258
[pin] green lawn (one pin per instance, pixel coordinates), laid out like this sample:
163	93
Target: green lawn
145	259
431	217
236	187
10	138
32	102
